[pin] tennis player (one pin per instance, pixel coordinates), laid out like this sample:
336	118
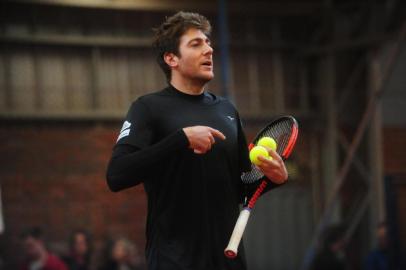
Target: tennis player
186	145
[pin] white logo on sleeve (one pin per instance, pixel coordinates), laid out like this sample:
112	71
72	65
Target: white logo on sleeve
125	130
126	125
231	118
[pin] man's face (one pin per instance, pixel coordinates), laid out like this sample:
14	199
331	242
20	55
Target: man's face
195	60
32	247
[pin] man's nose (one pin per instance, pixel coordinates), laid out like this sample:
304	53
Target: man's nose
208	49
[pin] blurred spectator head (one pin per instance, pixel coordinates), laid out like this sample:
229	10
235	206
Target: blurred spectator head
80	243
33	243
333	238
123	251
382	235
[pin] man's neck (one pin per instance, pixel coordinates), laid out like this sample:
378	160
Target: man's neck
188	87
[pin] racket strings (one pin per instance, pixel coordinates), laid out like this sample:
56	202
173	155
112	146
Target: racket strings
281	132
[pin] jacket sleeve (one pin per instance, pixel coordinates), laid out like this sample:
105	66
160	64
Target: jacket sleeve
131	165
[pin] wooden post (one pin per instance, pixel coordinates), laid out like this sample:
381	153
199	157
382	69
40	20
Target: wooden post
253	76
329	142
377	209
278	92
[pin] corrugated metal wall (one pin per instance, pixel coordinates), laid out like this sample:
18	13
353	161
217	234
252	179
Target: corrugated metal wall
48	81
53	66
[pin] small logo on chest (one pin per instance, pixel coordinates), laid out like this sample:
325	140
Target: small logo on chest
231	118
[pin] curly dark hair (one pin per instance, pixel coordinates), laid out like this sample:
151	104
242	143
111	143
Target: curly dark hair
167	35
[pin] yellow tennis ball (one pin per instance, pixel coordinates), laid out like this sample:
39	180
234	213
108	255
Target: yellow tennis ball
267	142
258	151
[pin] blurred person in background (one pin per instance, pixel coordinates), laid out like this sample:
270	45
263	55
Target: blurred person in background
80	251
121	254
331	255
378	259
36	253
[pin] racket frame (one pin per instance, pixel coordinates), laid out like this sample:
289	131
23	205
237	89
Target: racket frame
231	250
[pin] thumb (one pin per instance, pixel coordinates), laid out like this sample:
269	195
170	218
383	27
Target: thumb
197	151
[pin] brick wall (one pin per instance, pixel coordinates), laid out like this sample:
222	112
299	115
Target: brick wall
395	166
394	150
52	175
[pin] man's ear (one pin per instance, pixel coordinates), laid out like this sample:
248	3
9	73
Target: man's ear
171	59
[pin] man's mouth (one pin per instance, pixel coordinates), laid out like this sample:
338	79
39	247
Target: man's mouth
207	63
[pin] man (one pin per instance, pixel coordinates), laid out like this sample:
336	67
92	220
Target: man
187	147
37	256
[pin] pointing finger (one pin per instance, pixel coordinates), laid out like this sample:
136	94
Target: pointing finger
217	133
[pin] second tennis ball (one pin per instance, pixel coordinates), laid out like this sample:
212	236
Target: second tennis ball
267	142
258	151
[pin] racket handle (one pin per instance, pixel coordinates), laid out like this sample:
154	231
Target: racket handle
232	248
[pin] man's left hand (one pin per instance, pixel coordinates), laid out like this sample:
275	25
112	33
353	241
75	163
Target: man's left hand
274	169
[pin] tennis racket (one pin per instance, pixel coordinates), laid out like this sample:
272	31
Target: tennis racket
284	131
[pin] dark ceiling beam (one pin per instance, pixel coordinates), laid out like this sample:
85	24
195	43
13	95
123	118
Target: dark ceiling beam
353	44
210	6
121	42
76	40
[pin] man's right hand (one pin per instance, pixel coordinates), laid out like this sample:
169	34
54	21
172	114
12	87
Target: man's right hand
201	138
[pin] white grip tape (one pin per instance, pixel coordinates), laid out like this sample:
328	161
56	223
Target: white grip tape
232	248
